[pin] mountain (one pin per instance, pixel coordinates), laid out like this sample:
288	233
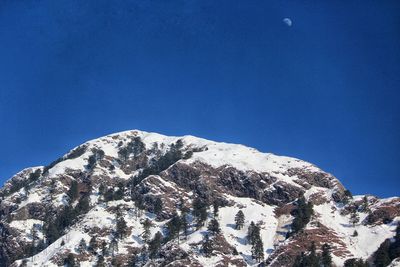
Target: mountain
144	199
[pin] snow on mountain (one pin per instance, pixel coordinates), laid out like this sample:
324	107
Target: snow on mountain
75	208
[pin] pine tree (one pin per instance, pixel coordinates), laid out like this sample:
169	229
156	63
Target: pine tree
257	250
41	245
69	261
382	257
215	208
36	245
109	195
213	227
254	238
34	176
174	227
137	146
92	245
121	226
35	237
115	263
133	262
83	205
313	258
347	196
142	256
66	218
302	215
182	207
365	205
82	246
326	257
102	189
147	224
154	245
355	263
52	232
139	204
100	261
203	217
255	235
119	193
123	153
394	249
91	162
207	246
250	232
239	219
73	191
354	217
298	261
158	206
113	246
99	154
184	224
199	211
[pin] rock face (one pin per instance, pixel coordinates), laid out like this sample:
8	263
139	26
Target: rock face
91	206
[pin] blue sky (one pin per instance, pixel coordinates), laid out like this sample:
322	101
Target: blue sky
325	90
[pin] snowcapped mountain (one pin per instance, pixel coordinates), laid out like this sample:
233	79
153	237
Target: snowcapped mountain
144	199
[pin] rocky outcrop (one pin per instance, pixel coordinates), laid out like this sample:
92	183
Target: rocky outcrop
287	253
384	213
282	193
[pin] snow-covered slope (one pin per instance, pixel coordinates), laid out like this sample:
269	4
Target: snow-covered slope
120	177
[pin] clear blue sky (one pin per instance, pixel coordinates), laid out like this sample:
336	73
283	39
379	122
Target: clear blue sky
325	90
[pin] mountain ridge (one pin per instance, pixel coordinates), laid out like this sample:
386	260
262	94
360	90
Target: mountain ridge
145	167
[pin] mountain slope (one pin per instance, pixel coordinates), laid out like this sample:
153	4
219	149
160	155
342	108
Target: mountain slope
103	191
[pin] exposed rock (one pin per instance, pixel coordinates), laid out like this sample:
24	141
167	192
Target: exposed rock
286	254
384	214
282	193
318	198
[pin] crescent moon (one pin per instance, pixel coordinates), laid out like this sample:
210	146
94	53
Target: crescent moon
287	21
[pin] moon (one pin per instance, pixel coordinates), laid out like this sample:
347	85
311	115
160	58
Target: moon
287	21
